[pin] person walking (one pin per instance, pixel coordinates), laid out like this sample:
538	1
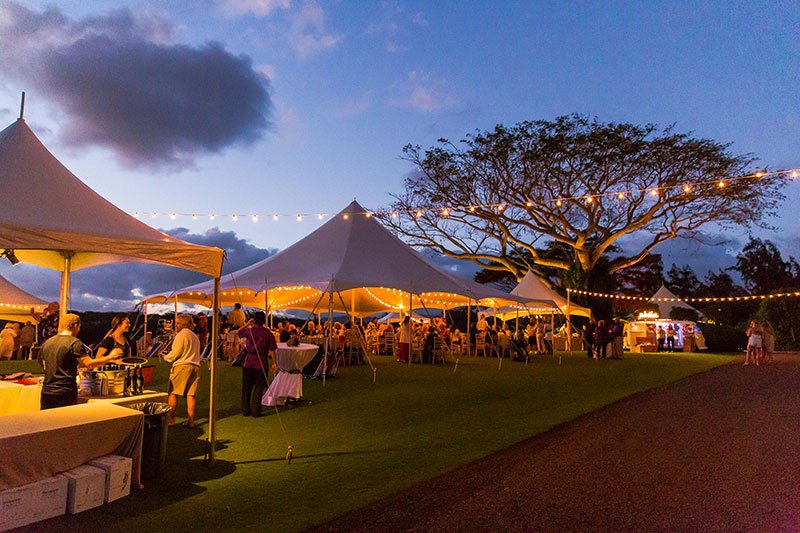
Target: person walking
670	338
661	337
27	336
405	339
185	372
588	338
600	340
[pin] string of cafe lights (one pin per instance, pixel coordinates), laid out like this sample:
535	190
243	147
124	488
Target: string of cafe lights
620	195
687	299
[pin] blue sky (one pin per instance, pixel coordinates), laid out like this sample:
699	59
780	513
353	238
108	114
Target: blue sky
342	86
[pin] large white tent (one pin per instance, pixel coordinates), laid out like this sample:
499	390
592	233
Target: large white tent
16	304
531	288
352	264
667	300
52	219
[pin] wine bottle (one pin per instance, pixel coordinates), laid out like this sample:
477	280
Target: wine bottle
127	389
140	382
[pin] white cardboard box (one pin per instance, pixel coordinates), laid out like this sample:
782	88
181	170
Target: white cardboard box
51	497
87	488
118	475
16	507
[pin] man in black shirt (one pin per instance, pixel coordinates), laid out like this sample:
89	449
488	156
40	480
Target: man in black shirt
61	355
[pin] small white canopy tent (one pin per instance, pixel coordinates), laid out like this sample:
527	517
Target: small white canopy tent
52	219
667	300
16	304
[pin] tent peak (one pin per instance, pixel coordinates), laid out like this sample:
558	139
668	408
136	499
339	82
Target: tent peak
22	107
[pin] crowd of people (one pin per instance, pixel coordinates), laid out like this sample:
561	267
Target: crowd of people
604	341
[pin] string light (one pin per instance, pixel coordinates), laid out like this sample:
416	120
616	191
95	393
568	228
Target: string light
718	183
299	218
686	299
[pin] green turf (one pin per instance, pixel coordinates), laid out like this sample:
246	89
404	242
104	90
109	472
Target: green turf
356	441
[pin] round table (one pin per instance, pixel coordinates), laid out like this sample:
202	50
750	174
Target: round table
289	381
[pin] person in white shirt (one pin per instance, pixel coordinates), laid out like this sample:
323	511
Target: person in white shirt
185	372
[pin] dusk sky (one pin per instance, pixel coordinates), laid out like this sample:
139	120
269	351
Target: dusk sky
319	99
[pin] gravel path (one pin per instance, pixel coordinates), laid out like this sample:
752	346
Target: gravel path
719	451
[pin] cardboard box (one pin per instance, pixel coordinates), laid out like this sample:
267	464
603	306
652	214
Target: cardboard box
118	475
50	497
87	488
16	507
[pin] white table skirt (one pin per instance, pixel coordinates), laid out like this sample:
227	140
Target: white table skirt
289	381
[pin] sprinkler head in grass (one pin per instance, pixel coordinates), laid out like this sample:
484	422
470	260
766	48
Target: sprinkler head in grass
289	454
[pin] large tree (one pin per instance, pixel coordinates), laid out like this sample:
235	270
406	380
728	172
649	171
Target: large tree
575	181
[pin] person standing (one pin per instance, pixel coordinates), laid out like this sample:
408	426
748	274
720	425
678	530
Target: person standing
617	334
201	329
260	346
600	339
767	339
661	336
754	344
236	318
61	355
405	339
185	372
588	338
670	338
48	321
115	339
27	336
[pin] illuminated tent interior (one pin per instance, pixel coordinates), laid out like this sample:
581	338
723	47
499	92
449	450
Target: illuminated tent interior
666	300
531	288
352	263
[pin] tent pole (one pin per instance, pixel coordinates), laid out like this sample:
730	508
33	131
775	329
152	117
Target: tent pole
176	312
145	331
361	338
569	324
328	333
469	324
410	315
63	296
212	406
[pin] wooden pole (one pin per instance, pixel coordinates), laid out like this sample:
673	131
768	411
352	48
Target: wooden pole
212	407
63	296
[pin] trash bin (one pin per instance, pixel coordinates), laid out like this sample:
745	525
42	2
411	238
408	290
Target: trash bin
154	443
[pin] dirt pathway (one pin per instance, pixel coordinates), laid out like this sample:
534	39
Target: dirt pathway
715	452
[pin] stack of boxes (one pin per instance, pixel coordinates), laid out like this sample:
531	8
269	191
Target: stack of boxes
88	486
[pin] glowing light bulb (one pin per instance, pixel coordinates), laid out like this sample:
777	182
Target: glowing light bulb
472	209
445	212
528	204
235	218
274	217
500	208
194	216
558	203
173	216
794	174
369	215
254	218
394	214
419	214
759	174
154	214
346	216
687	189
320	216
299	218
621	196
589	199
721	184
654	192
136	214
212	216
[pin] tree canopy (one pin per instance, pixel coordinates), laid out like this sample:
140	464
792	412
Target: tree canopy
499	197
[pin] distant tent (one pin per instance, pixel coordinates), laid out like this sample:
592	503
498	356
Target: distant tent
532	289
16	304
667	300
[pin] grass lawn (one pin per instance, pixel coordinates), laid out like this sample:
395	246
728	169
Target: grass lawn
356	441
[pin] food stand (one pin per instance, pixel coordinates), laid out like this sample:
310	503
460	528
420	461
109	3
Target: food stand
640	335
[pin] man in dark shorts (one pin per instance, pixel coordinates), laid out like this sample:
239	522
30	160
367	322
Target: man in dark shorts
61	356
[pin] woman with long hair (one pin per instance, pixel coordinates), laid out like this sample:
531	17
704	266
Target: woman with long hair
116	339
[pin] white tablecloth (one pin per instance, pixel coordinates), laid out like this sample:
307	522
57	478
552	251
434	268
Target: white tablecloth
289	381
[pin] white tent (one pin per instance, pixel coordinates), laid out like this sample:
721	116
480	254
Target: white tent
535	289
351	263
667	300
397	317
16	304
52	219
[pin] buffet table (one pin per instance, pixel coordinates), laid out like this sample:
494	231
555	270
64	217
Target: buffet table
289	381
146	396
35	446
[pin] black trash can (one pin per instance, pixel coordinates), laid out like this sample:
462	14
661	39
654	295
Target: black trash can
154	444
